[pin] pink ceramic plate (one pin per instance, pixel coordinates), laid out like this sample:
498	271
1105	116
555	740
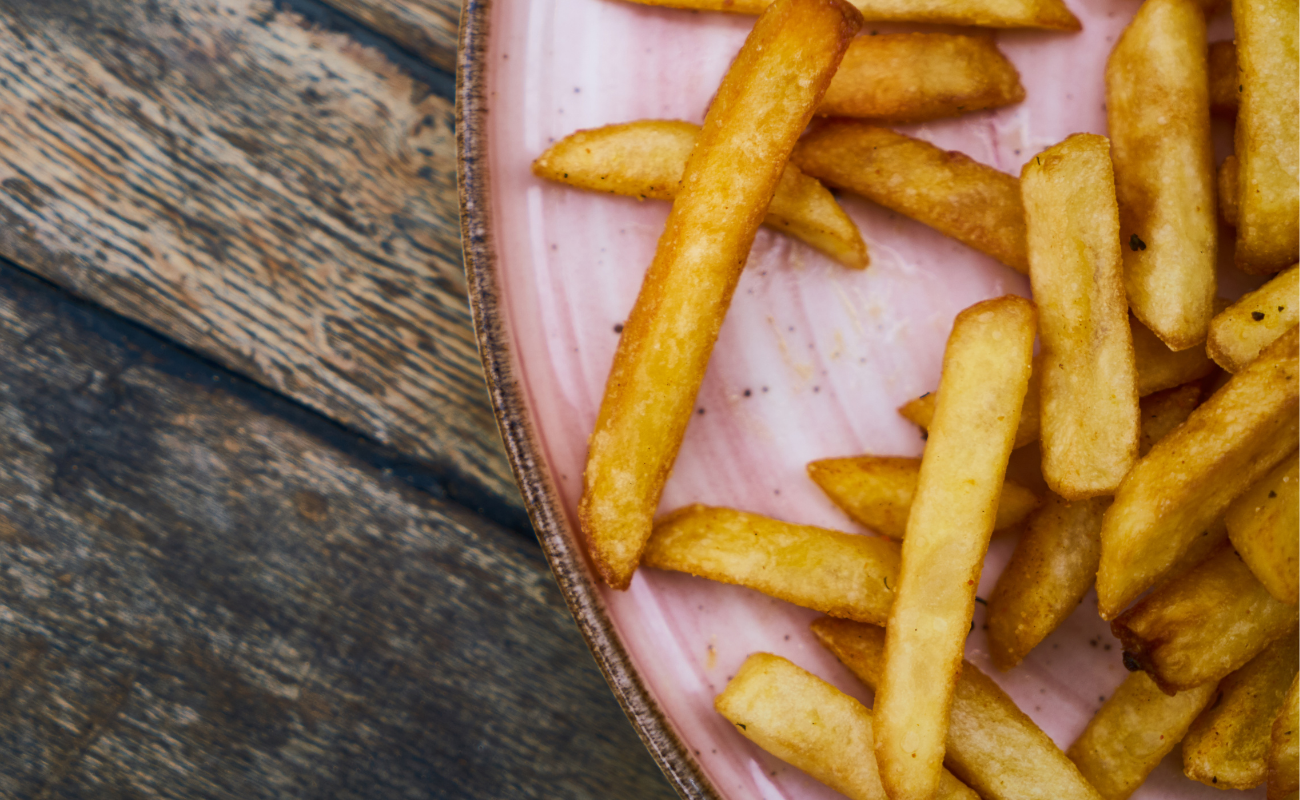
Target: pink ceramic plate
812	362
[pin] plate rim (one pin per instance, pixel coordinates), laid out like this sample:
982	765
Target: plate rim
523	447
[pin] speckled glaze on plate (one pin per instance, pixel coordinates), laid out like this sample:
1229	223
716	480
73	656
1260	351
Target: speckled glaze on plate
811	363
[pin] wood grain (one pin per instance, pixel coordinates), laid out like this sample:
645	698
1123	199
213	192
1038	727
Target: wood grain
280	199
198	599
427	27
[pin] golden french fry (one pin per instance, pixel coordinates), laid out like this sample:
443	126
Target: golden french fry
645	159
973	203
1158	113
1283	754
876	492
1050	14
764	102
1190	477
1089	427
982	386
1264	525
913	77
1229	178
1227	745
1267	143
1225	87
1137	727
1203	624
1240	331
806	722
835	573
1055	561
991	746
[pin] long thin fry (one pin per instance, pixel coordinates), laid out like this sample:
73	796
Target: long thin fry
1189	478
1050	14
764	102
1264	525
1240	331
982	386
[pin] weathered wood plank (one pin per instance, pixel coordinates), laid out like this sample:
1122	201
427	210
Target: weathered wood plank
197	599
280	199
426	27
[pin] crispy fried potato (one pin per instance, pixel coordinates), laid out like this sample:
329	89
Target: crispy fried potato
973	203
1050	14
1283	755
1158	113
985	373
1227	745
1135	728
1164	411
1267	143
764	102
645	159
913	77
992	746
1225	88
1240	331
1189	478
1089	423
806	722
876	492
1202	625
1264	525
835	573
1229	178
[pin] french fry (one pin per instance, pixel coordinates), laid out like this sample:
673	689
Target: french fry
877	491
806	722
1229	178
1135	728
1158	113
646	159
835	573
982	386
973	203
1049	14
1089	427
764	102
1283	755
1225	88
1202	625
1190	477
1239	332
913	77
1264	525
991	746
1055	561
1267	143
1227	745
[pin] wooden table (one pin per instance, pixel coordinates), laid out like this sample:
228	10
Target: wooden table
258	537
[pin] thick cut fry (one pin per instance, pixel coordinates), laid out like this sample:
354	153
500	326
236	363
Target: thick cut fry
1135	728
1202	625
913	77
1225	88
1227	745
1255	321
1283	754
1050	14
1158	112
835	573
982	386
1189	478
806	722
1089	427
973	203
1055	561
645	159
1229	180
992	746
764	102
876	492
1264	525
1267	143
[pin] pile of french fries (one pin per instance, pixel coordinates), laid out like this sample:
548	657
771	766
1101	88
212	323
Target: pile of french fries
1166	418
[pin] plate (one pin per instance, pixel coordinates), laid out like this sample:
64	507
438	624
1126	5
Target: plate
812	361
